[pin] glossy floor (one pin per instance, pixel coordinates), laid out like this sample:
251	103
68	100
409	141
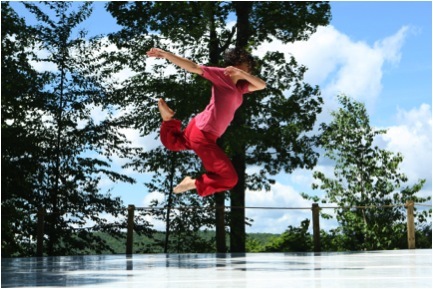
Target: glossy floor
376	269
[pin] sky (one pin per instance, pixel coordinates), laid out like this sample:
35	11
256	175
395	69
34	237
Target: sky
379	53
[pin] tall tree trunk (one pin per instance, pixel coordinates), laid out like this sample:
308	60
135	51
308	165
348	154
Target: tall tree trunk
214	56
243	27
220	233
237	196
53	238
237	200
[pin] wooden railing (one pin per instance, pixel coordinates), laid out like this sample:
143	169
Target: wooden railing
315	220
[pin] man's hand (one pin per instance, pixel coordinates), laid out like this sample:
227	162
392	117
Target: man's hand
156	52
233	71
236	73
184	63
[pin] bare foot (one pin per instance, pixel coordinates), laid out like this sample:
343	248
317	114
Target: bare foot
187	184
166	112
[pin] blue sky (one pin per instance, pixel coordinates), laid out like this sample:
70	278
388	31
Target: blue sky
409	80
379	53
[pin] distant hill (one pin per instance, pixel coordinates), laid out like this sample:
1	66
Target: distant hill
143	244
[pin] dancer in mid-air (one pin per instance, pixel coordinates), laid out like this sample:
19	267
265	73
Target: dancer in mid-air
229	86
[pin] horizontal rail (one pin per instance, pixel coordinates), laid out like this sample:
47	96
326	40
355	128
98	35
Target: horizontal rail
279	208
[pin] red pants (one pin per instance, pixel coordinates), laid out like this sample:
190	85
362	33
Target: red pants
220	174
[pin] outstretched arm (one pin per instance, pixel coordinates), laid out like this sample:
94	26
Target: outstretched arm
184	63
255	82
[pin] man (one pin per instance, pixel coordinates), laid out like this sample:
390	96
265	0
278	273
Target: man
229	86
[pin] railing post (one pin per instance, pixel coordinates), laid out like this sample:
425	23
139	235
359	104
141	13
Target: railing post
130	230
316	227
40	233
410	225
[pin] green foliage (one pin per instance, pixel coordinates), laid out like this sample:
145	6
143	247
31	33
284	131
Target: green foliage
292	240
54	147
183	226
423	236
20	122
253	246
154	243
366	184
54	154
256	242
336	240
333	241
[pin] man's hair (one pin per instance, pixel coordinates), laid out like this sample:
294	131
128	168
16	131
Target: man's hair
236	56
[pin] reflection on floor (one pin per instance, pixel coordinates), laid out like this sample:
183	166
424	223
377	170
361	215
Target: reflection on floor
375	269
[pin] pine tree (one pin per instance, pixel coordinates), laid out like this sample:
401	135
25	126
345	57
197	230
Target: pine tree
21	122
71	152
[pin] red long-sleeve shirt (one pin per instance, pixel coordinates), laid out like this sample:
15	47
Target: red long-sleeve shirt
226	99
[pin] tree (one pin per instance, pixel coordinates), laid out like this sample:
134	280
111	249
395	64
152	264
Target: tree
20	120
71	152
270	130
292	240
367	185
183	215
271	127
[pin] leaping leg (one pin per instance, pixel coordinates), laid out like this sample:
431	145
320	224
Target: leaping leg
187	184
166	112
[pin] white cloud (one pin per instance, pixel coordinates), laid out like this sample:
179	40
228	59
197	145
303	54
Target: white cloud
277	220
390	47
42	66
160	197
147	142
108	47
340	65
412	136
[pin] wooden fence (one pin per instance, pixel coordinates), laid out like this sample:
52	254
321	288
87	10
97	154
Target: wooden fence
315	219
